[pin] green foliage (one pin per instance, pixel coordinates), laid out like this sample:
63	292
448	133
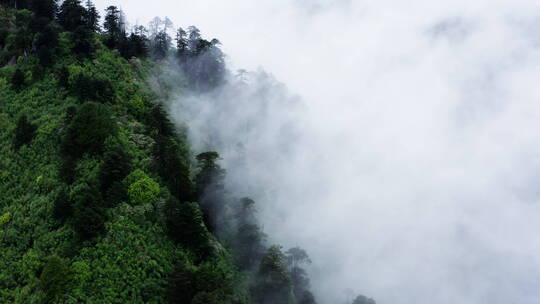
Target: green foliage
144	190
273	282
135	176
131	264
20	41
24	132
249	247
63	206
172	165
211	189
46	42
113	27
71	15
138	43
88	214
67	233
5	218
201	60
210	176
88	130
89	86
45	9
162	44
55	278
18	79
118	253
83	43
185	226
211	282
116	166
92	17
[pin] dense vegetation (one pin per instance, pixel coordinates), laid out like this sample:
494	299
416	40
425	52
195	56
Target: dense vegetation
102	200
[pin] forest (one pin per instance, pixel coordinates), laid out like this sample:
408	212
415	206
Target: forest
103	199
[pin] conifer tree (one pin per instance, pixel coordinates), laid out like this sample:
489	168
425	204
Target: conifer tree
72	15
92	17
113	27
24	132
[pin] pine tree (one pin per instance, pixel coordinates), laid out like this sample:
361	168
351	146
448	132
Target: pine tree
92	17
72	15
138	42
273	282
181	44
112	27
44	8
185	226
211	189
162	44
46	43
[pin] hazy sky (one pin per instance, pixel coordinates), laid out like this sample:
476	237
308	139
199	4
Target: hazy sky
412	170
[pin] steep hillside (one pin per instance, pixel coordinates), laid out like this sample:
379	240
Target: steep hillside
102	199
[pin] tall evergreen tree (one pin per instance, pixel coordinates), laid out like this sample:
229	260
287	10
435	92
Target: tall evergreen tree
92	17
44	8
72	15
194	35
161	45
273	282
185	226
211	189
181	44
112	27
83	41
138	42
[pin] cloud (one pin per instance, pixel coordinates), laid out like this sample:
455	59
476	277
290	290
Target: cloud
409	170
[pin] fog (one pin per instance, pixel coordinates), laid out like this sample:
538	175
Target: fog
401	148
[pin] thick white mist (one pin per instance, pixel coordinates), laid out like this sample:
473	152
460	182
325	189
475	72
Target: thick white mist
410	170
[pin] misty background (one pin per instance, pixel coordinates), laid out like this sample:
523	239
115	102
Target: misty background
397	142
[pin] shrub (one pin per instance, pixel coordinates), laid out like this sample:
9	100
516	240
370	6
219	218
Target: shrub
5	218
144	190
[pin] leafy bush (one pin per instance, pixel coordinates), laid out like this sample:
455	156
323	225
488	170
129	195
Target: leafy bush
5	218
144	190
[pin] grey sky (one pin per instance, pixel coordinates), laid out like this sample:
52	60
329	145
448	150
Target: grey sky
414	172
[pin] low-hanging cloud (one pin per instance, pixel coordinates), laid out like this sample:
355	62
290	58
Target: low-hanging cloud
407	164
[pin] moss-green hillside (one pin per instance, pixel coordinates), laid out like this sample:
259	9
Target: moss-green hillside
101	199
